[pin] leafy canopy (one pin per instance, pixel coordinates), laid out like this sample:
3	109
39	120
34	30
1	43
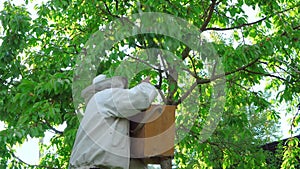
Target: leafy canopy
38	59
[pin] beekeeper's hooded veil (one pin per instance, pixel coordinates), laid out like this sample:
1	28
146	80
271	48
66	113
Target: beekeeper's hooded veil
102	138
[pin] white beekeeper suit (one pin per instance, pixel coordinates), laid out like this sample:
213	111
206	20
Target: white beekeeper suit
102	139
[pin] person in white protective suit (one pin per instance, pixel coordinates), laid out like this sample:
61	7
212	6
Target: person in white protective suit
102	139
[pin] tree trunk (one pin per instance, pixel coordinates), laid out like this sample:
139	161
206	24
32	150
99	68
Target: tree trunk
166	163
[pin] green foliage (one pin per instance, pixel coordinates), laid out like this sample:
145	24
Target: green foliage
38	58
291	154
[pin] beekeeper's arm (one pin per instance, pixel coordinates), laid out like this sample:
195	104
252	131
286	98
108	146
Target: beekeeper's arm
129	102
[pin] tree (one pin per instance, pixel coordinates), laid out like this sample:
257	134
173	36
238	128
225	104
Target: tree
38	58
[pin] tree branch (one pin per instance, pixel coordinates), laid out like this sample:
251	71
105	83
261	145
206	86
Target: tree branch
251	23
27	164
264	74
186	94
117	5
282	69
146	63
52	128
185	52
194	67
238	26
243	67
159	86
211	9
109	12
205	81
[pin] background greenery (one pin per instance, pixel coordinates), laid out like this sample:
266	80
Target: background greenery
38	56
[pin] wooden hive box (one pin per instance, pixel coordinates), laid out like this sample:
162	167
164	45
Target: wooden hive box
153	133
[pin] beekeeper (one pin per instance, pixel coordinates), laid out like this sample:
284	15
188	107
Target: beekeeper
102	139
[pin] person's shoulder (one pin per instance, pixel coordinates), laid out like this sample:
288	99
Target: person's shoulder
109	91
